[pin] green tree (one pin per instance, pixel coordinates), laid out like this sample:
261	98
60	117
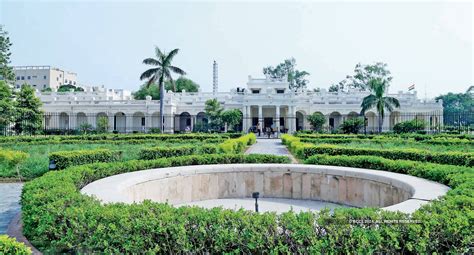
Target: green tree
29	115
352	126
102	125
68	88
378	100
160	73
181	83
317	120
232	118
6	71
363	74
6	106
214	111
458	108
287	69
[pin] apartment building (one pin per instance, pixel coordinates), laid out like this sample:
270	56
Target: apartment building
43	77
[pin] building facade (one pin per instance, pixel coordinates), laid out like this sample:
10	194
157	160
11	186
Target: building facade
43	77
266	102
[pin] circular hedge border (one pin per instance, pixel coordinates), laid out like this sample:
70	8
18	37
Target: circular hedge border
57	218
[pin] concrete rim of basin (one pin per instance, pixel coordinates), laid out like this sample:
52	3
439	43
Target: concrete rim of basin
344	185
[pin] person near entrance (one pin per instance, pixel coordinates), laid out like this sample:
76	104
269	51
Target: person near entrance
258	128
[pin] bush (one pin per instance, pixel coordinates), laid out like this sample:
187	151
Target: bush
59	219
352	126
451	158
237	145
317	121
64	159
410	126
165	152
9	245
12	158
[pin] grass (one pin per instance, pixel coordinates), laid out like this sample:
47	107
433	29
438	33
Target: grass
411	145
38	163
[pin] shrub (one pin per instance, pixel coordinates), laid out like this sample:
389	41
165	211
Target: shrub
317	121
12	158
64	159
410	126
59	219
352	126
237	145
9	245
102	125
305	150
165	152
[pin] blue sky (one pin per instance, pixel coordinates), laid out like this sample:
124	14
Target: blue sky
426	43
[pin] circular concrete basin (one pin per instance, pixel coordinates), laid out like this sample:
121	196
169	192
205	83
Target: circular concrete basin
341	185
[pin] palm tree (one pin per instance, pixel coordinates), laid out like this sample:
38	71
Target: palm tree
161	72
378	100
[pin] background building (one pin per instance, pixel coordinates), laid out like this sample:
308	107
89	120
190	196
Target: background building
42	77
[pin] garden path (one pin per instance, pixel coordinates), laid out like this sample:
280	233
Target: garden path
270	146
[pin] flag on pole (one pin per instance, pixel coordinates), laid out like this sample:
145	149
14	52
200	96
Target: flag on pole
412	87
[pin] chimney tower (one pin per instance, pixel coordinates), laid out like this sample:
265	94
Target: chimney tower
214	78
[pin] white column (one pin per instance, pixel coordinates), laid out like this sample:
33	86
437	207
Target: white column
260	116
244	119
72	121
148	122
129	123
111	122
292	117
277	122
249	116
91	120
192	123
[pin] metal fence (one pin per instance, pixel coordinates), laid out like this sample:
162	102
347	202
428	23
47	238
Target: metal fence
63	123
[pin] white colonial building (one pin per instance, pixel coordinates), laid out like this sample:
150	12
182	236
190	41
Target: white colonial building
265	101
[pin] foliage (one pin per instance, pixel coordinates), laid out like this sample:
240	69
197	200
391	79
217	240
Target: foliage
102	125
6	71
86	128
232	117
9	245
352	125
28	112
161	73
12	158
364	74
409	126
182	83
214	111
288	70
237	145
64	159
458	108
317	121
378	100
165	152
68	88
6	106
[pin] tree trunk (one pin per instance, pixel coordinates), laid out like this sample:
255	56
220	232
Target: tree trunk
380	123
162	107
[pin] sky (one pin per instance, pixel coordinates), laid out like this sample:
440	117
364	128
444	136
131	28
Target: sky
429	44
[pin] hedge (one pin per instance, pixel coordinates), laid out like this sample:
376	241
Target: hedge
64	159
57	218
10	245
165	152
450	158
12	158
305	150
237	145
382	140
448	221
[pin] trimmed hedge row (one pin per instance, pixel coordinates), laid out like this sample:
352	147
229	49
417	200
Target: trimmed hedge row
10	245
57	218
165	152
305	150
115	137
416	137
448	222
382	140
64	159
237	145
12	158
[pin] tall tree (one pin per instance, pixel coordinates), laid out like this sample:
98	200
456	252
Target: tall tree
6	71
288	69
214	111
28	117
6	106
363	74
182	83
232	117
160	73
458	108
378	100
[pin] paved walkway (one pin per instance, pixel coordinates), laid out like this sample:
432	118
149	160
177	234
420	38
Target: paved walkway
270	146
9	203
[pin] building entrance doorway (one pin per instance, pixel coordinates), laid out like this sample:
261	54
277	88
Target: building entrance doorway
267	123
